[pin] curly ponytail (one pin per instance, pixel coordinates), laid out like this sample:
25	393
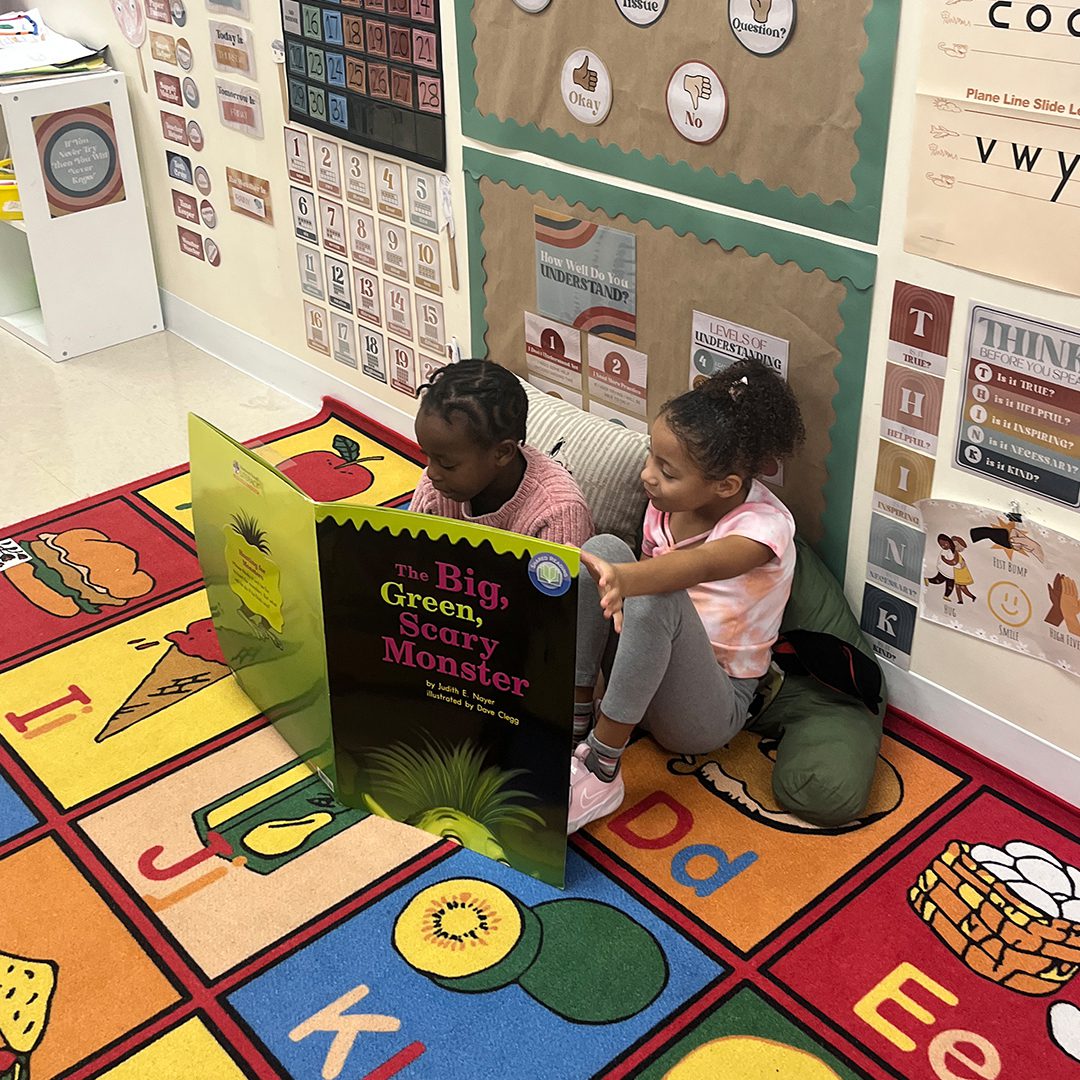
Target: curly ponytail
740	420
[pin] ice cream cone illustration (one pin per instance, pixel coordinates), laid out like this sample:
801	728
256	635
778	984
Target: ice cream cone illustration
193	662
26	990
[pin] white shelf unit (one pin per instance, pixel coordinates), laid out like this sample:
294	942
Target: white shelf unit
77	279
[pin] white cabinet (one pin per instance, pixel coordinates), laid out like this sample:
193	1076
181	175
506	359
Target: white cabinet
77	274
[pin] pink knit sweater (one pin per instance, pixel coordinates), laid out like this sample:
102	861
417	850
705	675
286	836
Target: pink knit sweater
547	504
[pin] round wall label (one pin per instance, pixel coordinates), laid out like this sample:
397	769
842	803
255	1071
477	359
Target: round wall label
586	87
762	26
642	12
184	56
202	181
532	6
697	102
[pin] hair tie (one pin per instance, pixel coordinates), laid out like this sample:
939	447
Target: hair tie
738	389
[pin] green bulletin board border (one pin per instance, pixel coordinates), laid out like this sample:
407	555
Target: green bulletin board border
853	268
857	219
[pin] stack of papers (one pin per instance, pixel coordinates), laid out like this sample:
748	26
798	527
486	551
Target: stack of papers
30	51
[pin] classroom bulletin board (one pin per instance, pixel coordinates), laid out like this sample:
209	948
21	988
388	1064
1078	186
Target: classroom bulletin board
803	126
814	294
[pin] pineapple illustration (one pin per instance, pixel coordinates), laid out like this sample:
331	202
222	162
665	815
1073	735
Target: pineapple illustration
253	576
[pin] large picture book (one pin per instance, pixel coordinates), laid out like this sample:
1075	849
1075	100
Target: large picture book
422	667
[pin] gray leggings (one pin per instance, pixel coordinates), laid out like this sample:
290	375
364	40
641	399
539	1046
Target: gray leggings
661	668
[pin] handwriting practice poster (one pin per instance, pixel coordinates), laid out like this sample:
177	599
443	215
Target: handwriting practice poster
995	172
423	667
1003	579
586	275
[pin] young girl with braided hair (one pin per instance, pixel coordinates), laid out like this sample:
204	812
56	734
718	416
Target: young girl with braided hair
471	426
684	635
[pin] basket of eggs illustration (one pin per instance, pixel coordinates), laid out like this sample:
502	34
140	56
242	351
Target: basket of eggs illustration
1011	914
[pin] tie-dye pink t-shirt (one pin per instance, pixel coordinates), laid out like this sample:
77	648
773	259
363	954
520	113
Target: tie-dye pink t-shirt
742	614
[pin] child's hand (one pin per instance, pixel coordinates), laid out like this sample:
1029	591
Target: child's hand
606	576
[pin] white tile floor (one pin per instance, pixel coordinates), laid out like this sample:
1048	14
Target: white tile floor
70	430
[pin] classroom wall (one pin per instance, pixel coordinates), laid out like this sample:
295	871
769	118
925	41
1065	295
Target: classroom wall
256	290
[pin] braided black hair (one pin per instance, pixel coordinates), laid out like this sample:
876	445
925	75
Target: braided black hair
489	396
740	421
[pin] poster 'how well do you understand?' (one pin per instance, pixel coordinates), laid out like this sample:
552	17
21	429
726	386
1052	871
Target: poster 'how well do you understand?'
586	275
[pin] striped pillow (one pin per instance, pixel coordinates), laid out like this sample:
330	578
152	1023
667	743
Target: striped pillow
605	459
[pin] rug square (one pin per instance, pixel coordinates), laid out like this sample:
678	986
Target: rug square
706	831
939	942
15	816
545	1001
104	709
93	567
69	968
188	1050
748	1036
324	470
240	848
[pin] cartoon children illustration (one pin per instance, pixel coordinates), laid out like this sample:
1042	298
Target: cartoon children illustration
945	567
952	569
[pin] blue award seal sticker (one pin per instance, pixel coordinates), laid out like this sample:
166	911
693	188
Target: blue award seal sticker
549	574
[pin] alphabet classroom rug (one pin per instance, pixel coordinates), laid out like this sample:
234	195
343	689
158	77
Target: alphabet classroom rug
703	933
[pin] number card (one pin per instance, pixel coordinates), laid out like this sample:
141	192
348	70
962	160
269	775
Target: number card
311	275
398	309
362	239
303	209
332	216
338	288
427	263
317	330
367	71
343	339
367	296
358	178
394	246
423	205
328	167
430	324
373	359
402	367
388	189
298	156
428	366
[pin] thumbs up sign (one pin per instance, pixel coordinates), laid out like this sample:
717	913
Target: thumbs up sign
584	76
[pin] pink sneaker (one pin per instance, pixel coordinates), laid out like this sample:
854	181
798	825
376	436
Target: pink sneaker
591	797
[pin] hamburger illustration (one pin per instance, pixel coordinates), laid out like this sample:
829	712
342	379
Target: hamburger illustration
193	662
79	571
26	991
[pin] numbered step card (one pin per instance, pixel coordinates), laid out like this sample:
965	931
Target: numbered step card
338	287
343	339
402	367
367	296
318	335
373	354
388	189
358	177
430	325
303	209
311	274
333	226
328	167
427	263
423	205
298	156
393	242
362	241
398	309
428	366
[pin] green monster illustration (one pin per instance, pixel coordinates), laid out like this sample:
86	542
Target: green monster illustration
444	790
